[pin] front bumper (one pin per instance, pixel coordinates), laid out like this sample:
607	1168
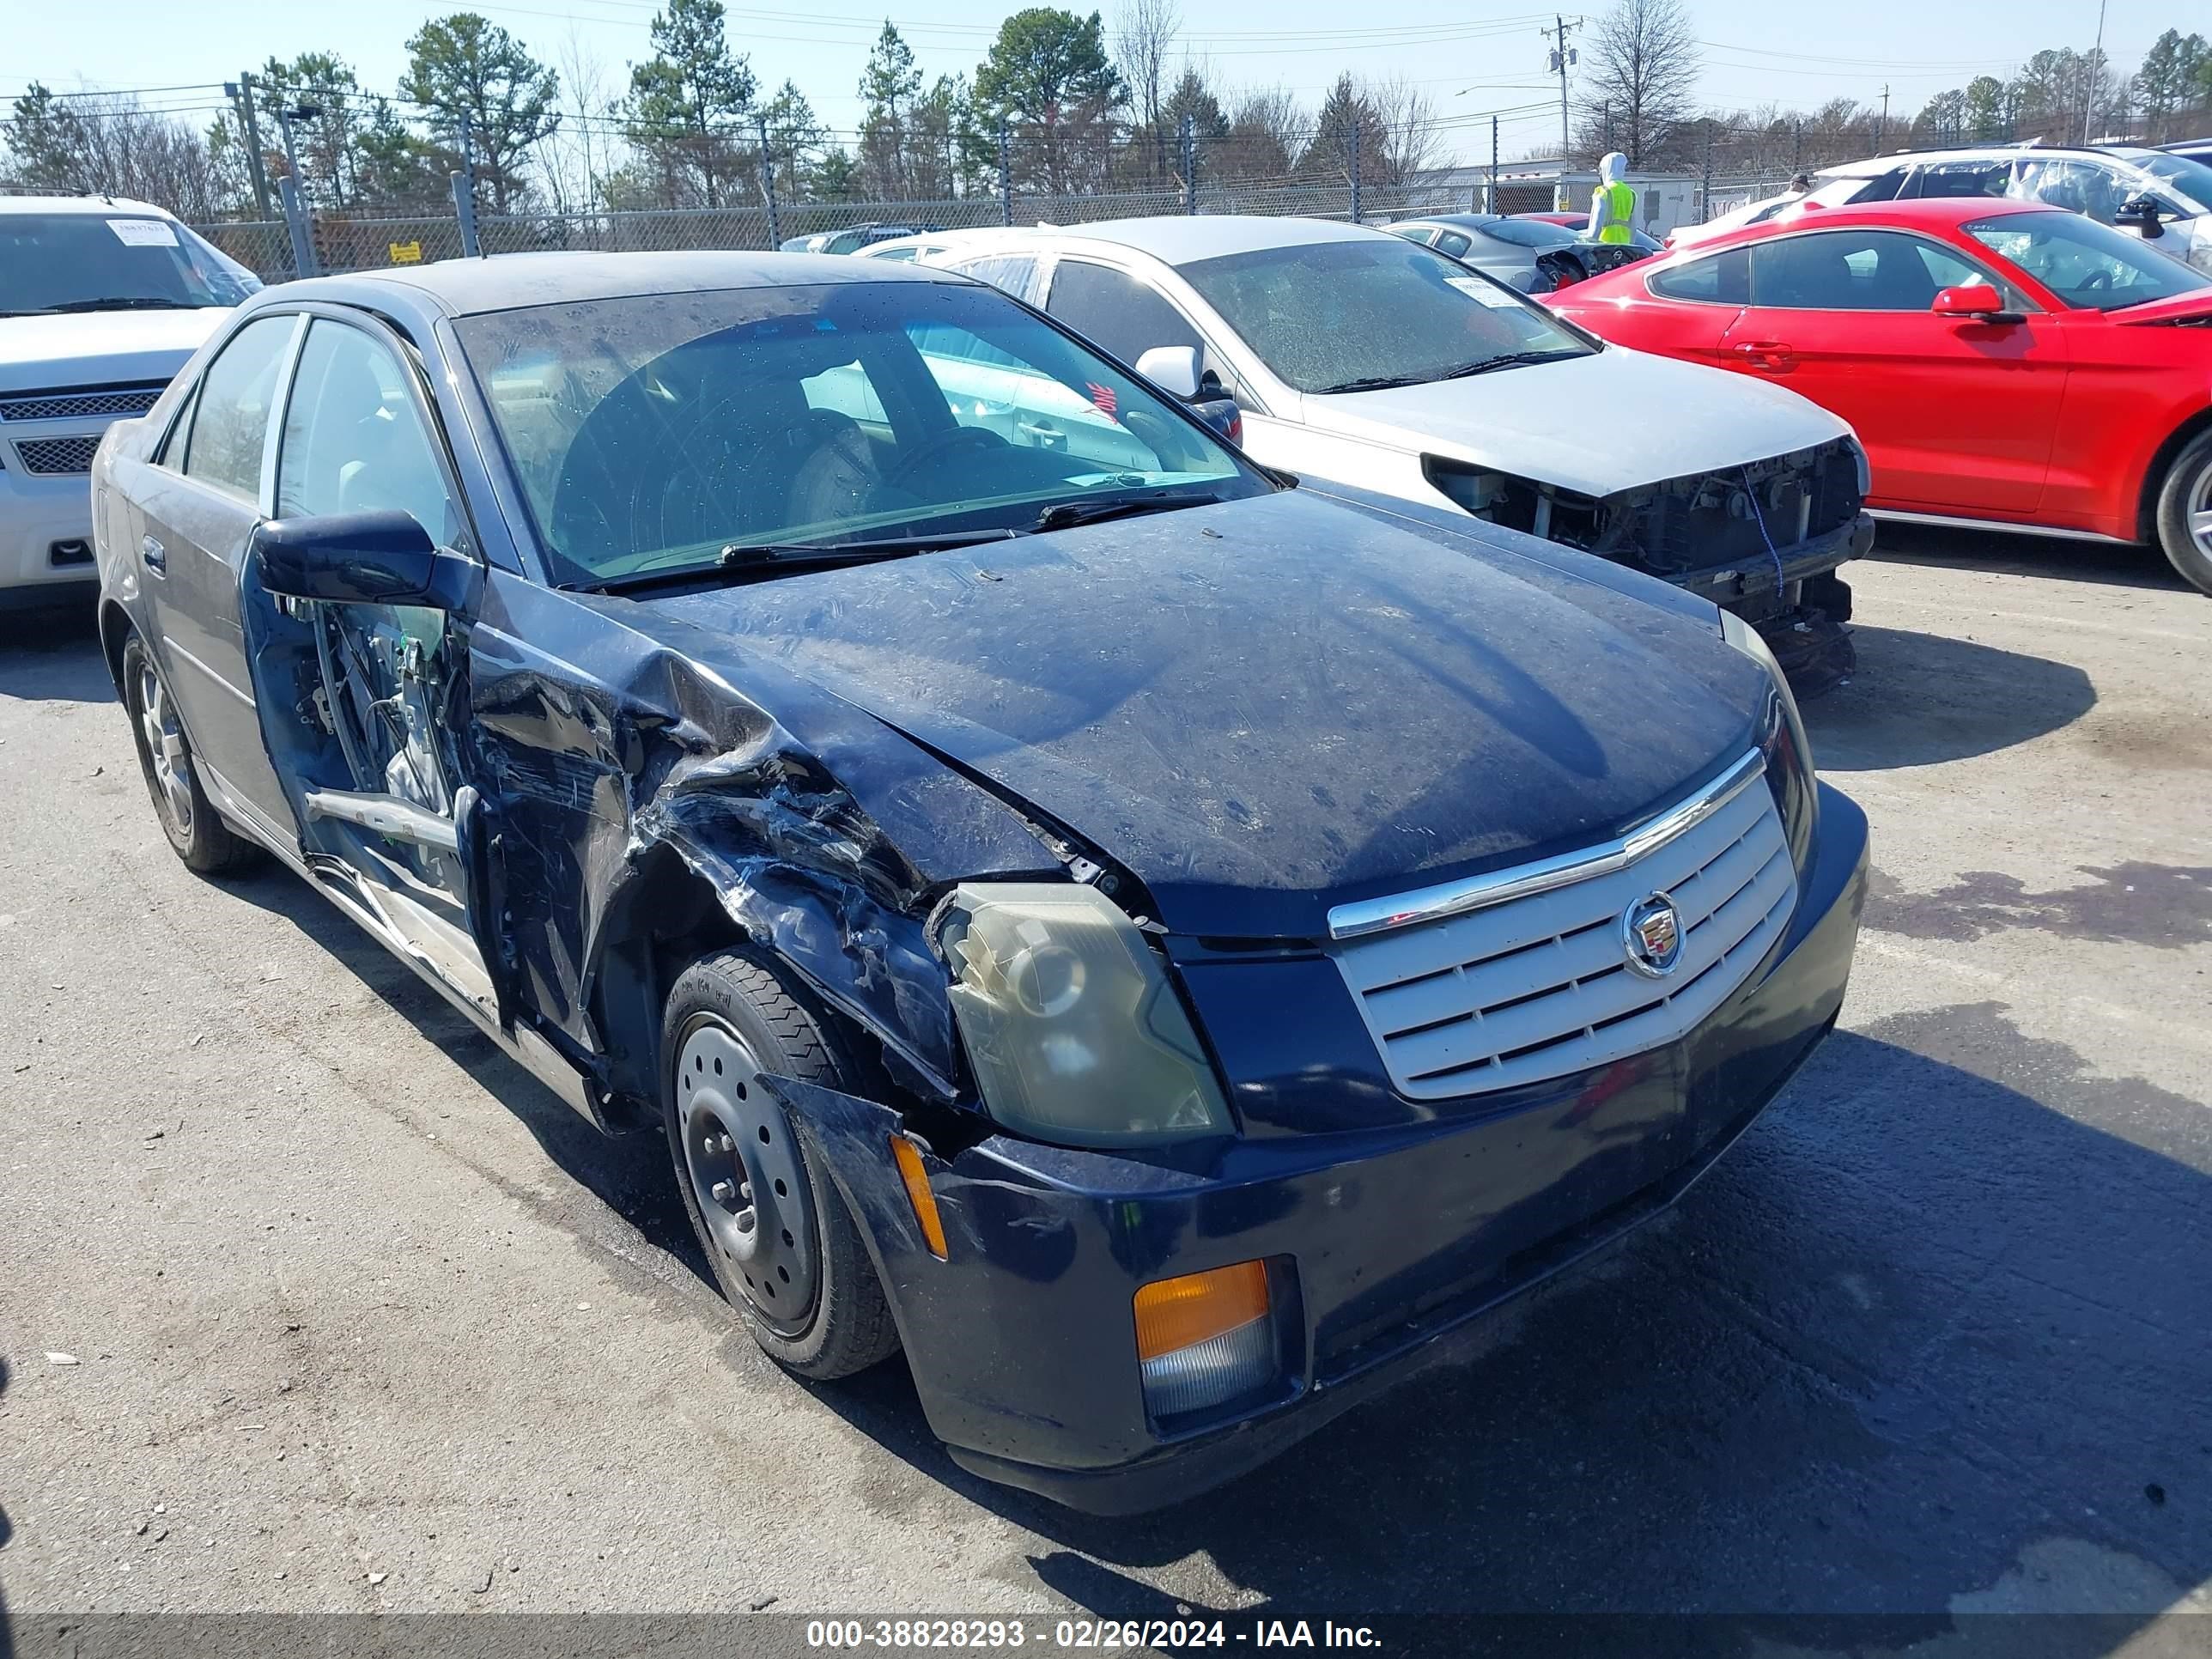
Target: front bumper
45	535
1022	1343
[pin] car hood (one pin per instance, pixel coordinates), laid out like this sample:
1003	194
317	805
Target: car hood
100	348
1610	421
1267	707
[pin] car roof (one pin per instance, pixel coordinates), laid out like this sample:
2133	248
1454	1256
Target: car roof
512	281
1467	221
1173	239
90	205
1930	213
1874	166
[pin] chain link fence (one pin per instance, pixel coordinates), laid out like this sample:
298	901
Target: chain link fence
346	242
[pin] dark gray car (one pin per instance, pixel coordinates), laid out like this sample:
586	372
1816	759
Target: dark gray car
1528	254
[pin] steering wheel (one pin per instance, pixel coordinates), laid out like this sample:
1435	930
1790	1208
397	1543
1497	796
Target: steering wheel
937	448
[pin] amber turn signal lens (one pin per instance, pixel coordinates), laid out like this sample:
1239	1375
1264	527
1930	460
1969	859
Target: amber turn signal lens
908	1157
1176	1313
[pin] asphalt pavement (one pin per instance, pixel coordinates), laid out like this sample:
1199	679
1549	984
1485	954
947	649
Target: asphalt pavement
309	1301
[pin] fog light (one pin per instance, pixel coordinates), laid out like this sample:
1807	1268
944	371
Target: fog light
1205	1338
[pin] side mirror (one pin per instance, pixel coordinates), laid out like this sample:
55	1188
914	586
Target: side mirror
1172	368
381	557
1976	303
2144	213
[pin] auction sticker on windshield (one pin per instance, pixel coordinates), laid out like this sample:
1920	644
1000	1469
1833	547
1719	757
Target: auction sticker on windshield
1488	294
143	232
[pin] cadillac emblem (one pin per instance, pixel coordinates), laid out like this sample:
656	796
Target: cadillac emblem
1652	934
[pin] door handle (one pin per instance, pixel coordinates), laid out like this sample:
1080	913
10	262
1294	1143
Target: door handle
153	555
1045	437
1775	356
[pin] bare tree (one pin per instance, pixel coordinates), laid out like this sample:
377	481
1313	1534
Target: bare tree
1411	146
1641	68
1267	134
585	157
1144	35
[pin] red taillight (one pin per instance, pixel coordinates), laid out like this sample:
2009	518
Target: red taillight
1236	429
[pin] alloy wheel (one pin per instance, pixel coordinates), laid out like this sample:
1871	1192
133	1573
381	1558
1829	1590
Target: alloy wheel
165	751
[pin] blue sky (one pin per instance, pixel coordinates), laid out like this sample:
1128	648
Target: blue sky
1469	60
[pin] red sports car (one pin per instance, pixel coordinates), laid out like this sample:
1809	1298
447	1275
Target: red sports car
2008	365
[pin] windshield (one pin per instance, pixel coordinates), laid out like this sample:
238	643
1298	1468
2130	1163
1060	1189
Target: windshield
2090	266
1350	316
2193	178
98	262
653	432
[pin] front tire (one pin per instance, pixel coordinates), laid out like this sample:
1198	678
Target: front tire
201	838
783	1245
2184	513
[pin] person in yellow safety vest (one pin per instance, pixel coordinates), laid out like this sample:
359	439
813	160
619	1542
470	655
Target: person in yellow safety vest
1613	204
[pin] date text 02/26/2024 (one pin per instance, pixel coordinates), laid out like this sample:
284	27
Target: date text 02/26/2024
1083	1634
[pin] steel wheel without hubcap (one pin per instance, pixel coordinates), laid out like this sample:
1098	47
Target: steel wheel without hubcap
743	1167
165	752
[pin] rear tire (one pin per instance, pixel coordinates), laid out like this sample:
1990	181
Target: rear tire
783	1245
2184	513
201	838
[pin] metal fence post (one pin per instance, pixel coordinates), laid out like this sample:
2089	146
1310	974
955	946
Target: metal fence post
465	213
1005	177
1190	164
768	183
296	222
1355	169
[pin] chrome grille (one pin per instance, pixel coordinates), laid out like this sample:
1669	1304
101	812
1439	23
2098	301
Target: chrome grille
1539	985
57	454
71	405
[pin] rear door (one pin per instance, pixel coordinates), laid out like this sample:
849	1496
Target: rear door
201	501
1955	414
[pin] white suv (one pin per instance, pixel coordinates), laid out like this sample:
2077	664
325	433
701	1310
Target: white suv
101	302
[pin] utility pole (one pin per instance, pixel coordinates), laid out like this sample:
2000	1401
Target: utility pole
240	94
1563	56
296	203
1190	163
1705	190
768	182
1881	126
1796	149
1492	205
1006	176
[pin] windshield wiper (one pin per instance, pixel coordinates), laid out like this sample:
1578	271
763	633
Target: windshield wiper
121	302
1065	515
1371	383
1511	360
741	558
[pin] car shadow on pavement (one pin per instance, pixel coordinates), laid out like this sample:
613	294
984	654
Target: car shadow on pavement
1921	699
2113	564
630	1174
53	656
1924	1344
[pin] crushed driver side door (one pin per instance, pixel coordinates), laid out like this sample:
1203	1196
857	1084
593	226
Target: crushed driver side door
365	706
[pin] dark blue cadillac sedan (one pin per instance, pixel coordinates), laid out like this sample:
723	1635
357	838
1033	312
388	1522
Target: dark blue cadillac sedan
1158	946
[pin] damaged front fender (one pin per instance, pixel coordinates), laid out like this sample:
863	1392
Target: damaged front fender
614	761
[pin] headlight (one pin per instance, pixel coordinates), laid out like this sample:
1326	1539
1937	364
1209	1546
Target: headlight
1068	1019
1782	739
